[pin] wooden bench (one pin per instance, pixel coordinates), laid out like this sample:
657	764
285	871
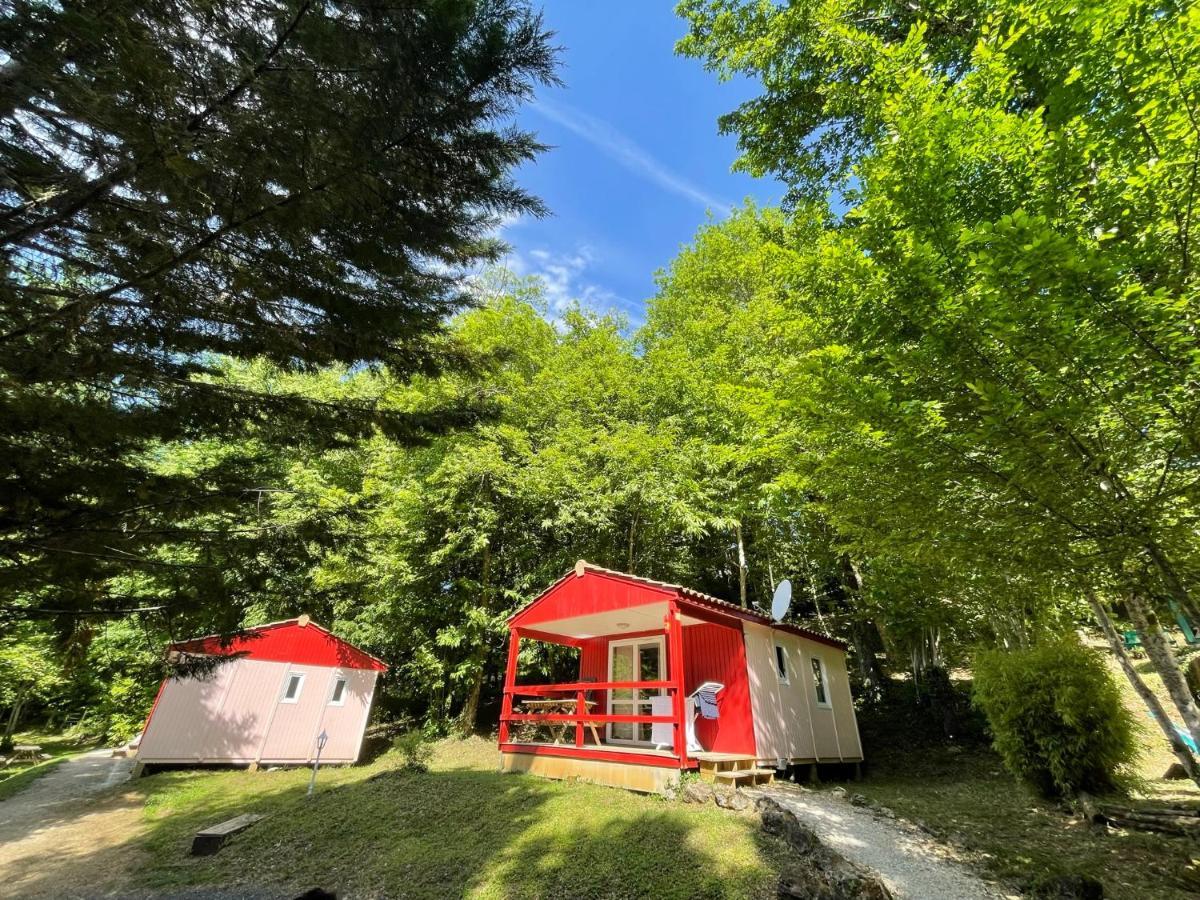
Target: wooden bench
210	840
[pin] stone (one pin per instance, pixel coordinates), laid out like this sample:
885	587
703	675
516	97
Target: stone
697	792
818	873
1176	773
731	799
1066	887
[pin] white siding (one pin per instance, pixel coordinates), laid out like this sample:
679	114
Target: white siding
788	722
235	716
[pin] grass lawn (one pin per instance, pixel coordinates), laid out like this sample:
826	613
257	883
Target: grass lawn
17	777
459	829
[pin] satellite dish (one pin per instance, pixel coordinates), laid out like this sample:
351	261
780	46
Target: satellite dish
782	601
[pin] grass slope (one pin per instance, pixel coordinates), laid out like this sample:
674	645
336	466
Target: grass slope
461	829
970	802
20	778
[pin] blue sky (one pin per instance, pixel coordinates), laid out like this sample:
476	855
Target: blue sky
636	159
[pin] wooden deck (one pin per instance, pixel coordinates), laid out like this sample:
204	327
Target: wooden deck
634	768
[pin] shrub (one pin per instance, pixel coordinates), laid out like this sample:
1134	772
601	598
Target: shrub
1056	716
414	749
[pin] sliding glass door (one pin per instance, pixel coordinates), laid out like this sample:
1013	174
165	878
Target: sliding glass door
636	659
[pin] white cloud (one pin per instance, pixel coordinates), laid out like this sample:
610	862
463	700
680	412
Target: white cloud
627	153
565	280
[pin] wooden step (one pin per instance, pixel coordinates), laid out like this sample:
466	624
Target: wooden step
714	764
745	776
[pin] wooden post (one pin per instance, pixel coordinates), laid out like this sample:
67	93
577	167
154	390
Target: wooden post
675	665
510	679
580	710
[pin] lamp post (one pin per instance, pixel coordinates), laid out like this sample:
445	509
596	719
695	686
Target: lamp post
322	738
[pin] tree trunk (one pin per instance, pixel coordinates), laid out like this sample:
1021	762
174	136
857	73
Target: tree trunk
1178	747
865	636
1158	648
471	708
741	551
1174	584
13	718
629	555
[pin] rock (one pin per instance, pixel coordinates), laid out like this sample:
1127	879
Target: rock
1176	773
731	799
819	873
839	791
1066	887
697	792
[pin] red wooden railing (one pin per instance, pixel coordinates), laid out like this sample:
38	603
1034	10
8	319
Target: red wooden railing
582	717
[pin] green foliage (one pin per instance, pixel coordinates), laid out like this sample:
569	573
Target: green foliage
996	387
414	749
300	183
1056	716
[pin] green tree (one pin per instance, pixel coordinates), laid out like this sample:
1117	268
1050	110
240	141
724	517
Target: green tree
30	671
187	183
1004	320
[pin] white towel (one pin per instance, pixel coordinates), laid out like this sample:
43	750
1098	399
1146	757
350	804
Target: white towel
662	734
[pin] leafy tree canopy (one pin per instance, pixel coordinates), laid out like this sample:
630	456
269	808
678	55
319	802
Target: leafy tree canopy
186	183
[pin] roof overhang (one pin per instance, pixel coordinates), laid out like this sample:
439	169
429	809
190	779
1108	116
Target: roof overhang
635	605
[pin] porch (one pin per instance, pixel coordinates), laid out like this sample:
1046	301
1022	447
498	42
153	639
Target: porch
626	719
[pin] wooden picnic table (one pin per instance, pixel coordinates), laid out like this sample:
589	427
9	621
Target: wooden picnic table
562	706
23	752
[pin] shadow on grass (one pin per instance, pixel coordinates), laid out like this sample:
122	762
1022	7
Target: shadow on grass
461	830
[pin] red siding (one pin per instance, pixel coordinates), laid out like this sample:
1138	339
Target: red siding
576	596
290	642
593	666
718	653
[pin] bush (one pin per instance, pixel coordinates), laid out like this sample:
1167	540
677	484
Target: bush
413	748
1056	716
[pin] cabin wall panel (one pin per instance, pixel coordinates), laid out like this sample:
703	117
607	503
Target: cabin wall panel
717	653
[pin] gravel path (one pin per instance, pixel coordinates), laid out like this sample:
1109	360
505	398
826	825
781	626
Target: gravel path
65	783
63	836
911	865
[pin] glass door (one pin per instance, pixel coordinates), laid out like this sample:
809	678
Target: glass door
639	659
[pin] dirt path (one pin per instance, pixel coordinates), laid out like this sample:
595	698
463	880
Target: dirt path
63	836
912	866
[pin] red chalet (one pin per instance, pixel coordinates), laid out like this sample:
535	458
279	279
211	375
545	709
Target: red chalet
671	680
276	689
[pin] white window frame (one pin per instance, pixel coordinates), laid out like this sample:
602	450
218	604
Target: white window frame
827	703
334	700
283	697
662	666
785	676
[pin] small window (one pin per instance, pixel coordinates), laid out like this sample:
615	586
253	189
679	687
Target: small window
781	663
819	679
338	697
291	691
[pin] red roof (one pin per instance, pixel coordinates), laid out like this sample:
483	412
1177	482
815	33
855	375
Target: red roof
296	641
688	595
